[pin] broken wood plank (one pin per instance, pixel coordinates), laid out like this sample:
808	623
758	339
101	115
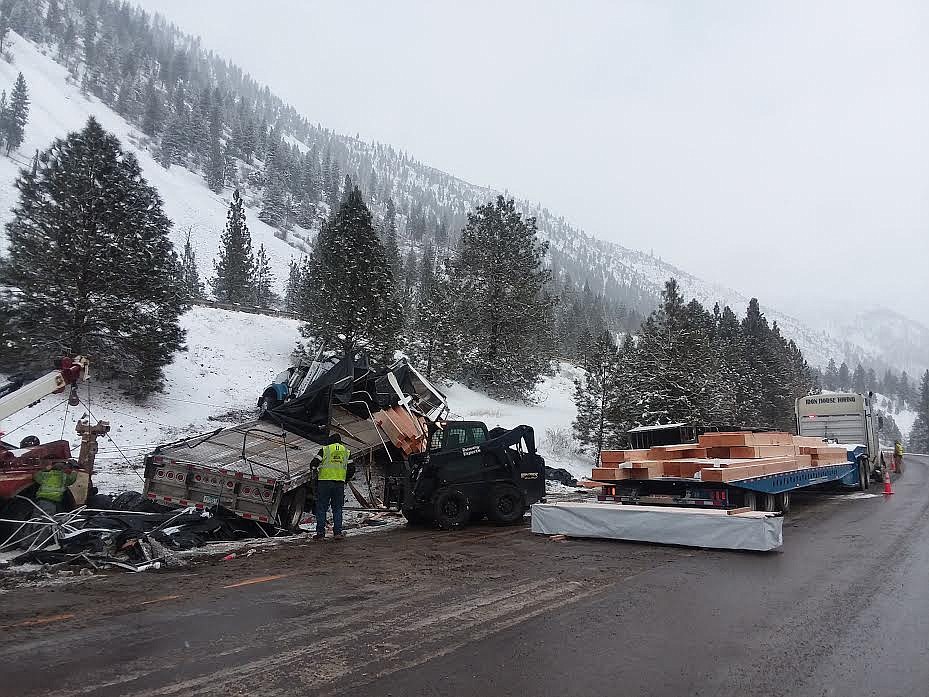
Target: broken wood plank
736	511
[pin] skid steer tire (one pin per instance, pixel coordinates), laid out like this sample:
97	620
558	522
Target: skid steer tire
452	509
506	505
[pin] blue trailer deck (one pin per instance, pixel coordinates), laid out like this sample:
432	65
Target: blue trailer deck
770	492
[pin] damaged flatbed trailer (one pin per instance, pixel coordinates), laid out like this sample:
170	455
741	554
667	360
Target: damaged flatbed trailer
258	472
262	470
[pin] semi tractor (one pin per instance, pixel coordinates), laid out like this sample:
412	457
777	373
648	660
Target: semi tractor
849	420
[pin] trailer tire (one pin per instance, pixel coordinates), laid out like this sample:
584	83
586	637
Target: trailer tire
783	502
768	503
750	500
864	475
452	509
290	512
506	505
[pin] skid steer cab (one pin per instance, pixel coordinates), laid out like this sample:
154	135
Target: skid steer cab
469	473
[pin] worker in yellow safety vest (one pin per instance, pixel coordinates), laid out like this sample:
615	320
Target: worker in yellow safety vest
334	468
898	456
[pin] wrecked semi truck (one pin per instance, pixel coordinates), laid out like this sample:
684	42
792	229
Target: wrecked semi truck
393	418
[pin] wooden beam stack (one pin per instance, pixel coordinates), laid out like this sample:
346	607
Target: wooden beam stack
720	457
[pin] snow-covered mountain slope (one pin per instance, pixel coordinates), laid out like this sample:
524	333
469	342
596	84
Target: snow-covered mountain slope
58	108
636	278
901	341
231	357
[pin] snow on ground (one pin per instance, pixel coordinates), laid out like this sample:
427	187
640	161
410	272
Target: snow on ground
551	416
231	357
58	108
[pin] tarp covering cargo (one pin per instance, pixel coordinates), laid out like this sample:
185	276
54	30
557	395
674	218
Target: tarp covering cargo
754	530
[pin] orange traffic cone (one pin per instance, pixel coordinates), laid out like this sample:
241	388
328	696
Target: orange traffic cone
887	488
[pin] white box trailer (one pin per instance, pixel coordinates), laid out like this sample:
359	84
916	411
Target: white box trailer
845	418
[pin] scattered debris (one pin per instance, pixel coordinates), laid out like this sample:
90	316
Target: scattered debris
95	539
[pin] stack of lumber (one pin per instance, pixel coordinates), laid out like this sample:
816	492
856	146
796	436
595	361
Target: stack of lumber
720	457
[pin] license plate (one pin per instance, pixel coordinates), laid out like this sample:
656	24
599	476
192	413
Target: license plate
211	500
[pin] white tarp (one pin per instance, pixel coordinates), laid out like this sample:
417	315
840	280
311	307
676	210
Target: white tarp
754	530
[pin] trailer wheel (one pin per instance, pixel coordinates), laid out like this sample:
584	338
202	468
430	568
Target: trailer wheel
506	505
768	503
864	475
783	502
290	512
451	509
750	500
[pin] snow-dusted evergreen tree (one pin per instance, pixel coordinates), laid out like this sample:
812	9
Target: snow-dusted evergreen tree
14	123
93	269
275	206
235	265
664	379
293	288
435	332
190	276
845	377
597	396
264	279
216	167
347	285
503	292
391	246
919	434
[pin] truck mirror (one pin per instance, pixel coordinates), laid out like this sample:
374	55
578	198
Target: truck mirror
880	423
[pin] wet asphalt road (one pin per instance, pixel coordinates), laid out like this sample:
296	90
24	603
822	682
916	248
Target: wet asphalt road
842	610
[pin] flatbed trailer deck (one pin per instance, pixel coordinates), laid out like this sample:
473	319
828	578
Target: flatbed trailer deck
768	493
255	469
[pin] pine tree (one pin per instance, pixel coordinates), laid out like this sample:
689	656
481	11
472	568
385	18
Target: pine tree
347	285
264	279
216	169
18	116
597	397
190	276
391	246
294	284
53	18
152	118
91	262
860	380
503	291
4	31
919	435
235	265
275	206
845	377
5	117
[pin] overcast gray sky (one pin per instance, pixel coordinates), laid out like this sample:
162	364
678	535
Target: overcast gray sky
781	148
